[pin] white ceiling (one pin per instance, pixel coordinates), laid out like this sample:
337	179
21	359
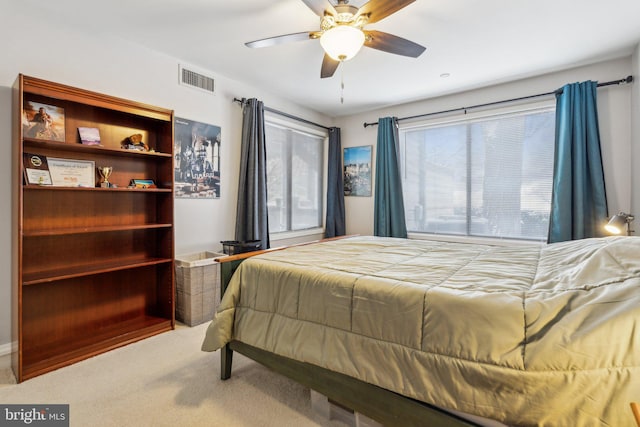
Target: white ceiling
477	42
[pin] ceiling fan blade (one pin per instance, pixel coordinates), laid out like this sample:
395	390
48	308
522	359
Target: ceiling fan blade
380	9
329	66
392	44
319	7
287	38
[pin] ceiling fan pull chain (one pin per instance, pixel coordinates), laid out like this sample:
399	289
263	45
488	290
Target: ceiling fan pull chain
342	85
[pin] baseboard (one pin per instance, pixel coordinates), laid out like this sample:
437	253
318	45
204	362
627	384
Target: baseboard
5	355
5	349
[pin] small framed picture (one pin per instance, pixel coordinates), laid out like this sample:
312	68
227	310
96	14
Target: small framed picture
43	121
357	171
89	136
142	183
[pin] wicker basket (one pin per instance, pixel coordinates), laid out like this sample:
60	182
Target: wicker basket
197	287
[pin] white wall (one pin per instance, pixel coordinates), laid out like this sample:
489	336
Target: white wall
118	68
614	108
635	140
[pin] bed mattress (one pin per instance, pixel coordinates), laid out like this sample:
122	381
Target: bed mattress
535	335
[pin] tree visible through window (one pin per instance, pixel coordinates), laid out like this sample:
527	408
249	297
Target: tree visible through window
294	178
489	177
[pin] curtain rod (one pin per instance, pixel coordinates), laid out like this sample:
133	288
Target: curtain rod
626	80
281	113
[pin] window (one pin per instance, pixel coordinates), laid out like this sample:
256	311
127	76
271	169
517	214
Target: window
488	177
295	159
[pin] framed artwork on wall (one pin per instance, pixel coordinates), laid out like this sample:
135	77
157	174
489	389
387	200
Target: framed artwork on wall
357	171
196	159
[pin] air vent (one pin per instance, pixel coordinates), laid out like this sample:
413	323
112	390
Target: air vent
196	80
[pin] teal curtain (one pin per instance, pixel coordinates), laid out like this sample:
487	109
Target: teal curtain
252	221
579	201
388	219
335	223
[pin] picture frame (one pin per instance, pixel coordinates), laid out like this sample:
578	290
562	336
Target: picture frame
89	136
142	183
72	172
43	121
196	160
357	171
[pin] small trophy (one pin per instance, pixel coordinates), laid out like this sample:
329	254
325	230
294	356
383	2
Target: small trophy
105	172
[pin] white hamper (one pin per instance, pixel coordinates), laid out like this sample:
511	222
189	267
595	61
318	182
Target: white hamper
197	287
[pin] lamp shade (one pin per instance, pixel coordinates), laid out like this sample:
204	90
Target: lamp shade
342	42
617	223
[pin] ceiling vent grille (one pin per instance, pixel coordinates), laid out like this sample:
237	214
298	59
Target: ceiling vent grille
196	80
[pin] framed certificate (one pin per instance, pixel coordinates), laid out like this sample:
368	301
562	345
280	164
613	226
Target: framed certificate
72	173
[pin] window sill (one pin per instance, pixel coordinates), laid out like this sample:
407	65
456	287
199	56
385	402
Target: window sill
286	235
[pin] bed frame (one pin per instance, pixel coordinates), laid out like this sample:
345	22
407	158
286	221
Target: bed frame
379	404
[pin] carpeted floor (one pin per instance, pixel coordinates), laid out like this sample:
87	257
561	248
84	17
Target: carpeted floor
167	381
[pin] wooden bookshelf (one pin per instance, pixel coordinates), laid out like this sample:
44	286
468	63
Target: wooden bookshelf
92	267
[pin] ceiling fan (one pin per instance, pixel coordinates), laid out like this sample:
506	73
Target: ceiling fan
342	35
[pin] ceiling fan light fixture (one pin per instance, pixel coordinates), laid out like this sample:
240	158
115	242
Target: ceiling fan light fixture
342	42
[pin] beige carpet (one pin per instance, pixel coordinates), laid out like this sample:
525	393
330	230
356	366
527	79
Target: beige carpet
167	381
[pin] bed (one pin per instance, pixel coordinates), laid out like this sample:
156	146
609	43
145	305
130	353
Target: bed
401	329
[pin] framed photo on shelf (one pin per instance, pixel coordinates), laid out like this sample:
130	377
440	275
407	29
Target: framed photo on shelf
357	171
89	136
36	169
72	173
142	183
43	121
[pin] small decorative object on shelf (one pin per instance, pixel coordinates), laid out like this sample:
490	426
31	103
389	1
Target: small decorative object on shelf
105	172
142	183
43	121
89	136
134	142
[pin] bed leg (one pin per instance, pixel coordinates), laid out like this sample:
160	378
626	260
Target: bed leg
226	359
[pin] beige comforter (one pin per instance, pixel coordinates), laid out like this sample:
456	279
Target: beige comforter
544	335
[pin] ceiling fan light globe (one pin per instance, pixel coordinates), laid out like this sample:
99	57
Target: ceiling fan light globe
342	42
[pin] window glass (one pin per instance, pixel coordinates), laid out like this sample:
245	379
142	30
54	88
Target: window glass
488	177
294	178
277	178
